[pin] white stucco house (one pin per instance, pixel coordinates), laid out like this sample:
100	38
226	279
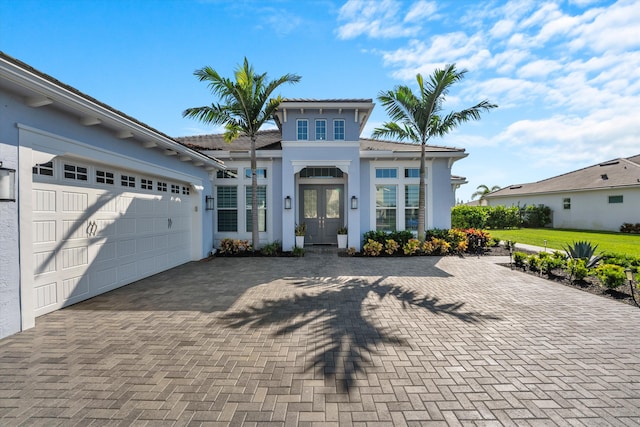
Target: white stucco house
598	197
92	199
316	169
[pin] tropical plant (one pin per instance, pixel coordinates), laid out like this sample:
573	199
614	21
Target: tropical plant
298	251
483	190
577	269
585	251
372	248
342	230
246	105
301	229
271	249
611	276
519	259
391	247
418	118
411	247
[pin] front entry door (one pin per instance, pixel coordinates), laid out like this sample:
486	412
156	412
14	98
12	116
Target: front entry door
321	209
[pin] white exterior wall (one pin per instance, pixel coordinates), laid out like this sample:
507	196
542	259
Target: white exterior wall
439	193
590	210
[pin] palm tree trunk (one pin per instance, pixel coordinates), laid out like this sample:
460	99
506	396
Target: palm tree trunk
255	237
421	196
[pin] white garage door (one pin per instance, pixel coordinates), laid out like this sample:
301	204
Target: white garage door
96	228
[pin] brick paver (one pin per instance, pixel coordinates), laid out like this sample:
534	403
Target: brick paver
326	340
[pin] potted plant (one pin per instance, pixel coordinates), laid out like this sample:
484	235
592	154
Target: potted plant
342	238
300	230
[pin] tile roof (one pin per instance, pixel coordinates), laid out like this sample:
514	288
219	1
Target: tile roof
616	173
271	140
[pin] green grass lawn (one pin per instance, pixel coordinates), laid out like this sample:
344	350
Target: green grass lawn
620	243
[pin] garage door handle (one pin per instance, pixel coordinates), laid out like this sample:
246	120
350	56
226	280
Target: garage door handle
94	228
89	229
169	223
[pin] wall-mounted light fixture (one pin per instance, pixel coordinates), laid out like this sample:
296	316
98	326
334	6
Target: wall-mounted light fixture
354	202
210	205
7	184
287	202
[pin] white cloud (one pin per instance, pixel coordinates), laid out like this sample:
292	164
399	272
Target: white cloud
421	10
375	19
538	69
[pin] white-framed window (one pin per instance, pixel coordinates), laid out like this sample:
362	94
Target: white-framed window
566	203
412	172
75	172
227	174
303	129
321	130
411	197
386	173
227	205
127	181
616	199
161	187
261	173
338	130
146	184
45	169
175	189
262	208
105	177
186	190
386	207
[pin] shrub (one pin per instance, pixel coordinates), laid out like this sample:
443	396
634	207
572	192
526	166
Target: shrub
351	251
535	216
519	259
438	233
428	248
622	260
440	246
534	262
372	248
630	228
577	269
376	236
411	247
391	247
455	237
297	251
611	275
271	249
550	262
477	240
401	237
463	216
503	217
583	250
234	246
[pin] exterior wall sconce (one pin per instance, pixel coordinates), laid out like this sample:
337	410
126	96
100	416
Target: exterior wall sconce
7	184
287	202
210	205
354	202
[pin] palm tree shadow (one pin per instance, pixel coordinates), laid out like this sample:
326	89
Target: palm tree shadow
333	314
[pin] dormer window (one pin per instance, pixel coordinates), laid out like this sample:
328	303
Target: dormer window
303	130
321	130
338	130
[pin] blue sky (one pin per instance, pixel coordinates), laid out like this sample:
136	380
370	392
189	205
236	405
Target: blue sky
565	74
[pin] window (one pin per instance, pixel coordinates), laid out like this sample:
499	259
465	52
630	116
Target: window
412	172
386	173
303	130
75	172
186	190
227	174
615	199
260	173
227	203
411	194
320	172
45	169
321	130
566	203
262	208
162	187
104	177
386	207
127	181
338	130
175	189
146	184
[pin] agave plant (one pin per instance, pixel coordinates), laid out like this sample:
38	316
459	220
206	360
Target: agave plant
584	251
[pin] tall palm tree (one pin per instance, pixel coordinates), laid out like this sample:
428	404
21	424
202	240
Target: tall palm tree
483	190
419	117
245	106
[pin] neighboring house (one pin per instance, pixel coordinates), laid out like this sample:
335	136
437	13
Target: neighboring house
316	169
598	197
101	199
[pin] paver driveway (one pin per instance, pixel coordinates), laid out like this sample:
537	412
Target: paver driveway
329	340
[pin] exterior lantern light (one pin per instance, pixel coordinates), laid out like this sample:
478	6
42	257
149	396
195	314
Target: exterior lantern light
629	273
354	202
7	184
210	205
287	202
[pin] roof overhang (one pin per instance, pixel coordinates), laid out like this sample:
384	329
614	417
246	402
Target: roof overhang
362	109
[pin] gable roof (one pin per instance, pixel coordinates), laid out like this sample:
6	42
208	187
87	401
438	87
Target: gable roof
616	173
271	140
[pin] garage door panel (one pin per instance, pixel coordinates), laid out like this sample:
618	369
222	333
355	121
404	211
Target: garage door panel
126	248
105	227
144	226
44	262
125	226
43	200
161	242
147	266
75	288
145	244
74	257
75	201
103	278
44	231
102	252
126	205
127	271
46	295
73	229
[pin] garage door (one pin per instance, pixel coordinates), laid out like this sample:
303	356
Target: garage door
96	228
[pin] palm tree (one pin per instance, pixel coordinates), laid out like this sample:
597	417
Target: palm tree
245	106
483	190
417	118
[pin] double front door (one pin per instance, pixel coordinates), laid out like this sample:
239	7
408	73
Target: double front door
322	209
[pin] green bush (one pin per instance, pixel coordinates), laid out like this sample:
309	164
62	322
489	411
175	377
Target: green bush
534	262
391	247
271	249
297	251
611	275
577	269
519	259
412	247
621	260
535	216
503	217
401	237
463	216
234	246
372	248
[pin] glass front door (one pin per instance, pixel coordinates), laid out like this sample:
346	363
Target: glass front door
322	210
